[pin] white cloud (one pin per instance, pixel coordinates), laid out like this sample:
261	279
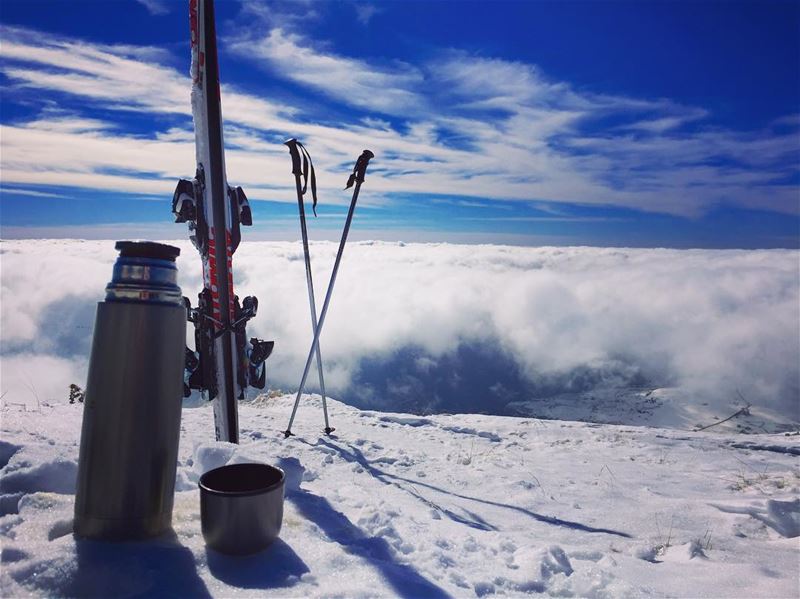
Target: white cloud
119	77
365	11
495	83
156	7
348	80
541	320
539	149
29	192
32	379
283	14
65	123
123	76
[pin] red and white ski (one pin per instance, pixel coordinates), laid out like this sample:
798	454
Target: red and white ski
223	363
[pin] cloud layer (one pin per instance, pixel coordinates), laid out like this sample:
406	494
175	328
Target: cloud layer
423	327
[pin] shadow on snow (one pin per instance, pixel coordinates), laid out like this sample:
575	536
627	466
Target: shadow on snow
354	455
404	579
277	566
161	567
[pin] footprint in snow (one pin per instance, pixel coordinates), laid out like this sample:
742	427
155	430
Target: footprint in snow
406	420
471	431
781	516
7	451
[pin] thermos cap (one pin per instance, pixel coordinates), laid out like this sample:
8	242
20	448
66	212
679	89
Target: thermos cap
147	249
146	272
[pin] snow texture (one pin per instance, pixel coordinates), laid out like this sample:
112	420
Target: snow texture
402	506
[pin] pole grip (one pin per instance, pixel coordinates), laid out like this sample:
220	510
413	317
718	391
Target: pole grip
360	169
297	169
361	165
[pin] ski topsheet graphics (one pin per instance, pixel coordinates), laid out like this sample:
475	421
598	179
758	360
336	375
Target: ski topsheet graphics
223	363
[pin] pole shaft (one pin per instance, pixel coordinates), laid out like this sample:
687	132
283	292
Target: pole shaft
326	303
311	300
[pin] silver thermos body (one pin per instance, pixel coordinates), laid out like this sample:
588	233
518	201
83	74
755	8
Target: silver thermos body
132	407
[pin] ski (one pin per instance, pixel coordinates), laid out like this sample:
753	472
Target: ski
223	363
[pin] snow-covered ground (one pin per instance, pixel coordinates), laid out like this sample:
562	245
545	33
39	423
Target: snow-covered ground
410	506
660	407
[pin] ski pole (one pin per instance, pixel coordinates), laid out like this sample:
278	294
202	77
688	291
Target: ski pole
298	171
357	177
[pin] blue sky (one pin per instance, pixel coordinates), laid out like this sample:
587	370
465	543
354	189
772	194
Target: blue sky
582	123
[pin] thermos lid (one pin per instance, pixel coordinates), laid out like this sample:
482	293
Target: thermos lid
145	272
147	249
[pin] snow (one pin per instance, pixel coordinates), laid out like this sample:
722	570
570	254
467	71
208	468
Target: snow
445	505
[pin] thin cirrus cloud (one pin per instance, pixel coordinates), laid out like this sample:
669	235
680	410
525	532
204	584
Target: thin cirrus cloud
348	80
365	12
545	143
155	7
457	124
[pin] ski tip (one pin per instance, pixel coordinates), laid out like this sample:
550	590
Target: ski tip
290	142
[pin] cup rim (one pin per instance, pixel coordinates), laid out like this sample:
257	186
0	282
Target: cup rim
220	493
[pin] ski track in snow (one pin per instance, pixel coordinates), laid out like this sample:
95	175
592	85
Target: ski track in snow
400	505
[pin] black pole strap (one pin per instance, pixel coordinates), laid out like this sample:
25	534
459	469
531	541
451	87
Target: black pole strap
302	157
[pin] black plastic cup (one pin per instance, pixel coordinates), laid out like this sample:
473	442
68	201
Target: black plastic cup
241	507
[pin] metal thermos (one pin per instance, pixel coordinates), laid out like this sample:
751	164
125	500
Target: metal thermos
132	408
